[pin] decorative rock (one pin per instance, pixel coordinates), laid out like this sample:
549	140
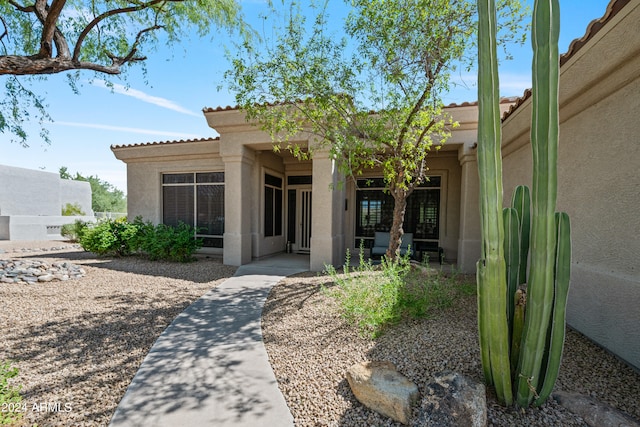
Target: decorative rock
380	387
27	271
592	411
453	400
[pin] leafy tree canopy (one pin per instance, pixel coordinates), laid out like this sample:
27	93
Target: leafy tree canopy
104	196
373	95
40	37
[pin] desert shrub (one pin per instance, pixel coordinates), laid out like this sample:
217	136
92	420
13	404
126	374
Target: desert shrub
10	399
164	242
372	297
72	210
110	237
369	296
74	232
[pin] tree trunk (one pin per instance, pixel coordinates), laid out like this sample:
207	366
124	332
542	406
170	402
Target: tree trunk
396	232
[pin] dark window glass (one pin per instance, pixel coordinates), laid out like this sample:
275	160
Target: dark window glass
374	212
177	204
371	183
177	178
273	181
299	180
212	242
210	209
291	223
268	211
211	177
277	212
200	206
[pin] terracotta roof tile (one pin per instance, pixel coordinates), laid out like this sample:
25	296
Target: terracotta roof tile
594	26
181	141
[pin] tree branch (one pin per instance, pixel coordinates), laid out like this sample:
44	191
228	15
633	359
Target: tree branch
109	13
49	26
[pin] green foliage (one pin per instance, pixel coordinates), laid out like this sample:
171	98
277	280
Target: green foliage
373	297
74	231
110	237
72	210
163	242
104	196
397	59
101	36
121	238
9	396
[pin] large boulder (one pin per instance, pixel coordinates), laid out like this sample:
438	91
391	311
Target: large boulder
453	400
380	387
594	412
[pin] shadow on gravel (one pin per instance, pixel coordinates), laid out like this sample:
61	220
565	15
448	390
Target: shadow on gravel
89	358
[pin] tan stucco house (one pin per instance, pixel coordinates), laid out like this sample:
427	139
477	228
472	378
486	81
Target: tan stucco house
250	201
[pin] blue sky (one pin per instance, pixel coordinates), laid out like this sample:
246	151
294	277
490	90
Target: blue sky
167	103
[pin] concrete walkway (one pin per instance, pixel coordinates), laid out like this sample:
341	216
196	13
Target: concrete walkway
210	366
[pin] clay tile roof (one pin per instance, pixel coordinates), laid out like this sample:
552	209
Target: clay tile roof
181	141
594	26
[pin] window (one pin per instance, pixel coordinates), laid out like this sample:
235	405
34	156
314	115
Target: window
374	210
196	199
272	206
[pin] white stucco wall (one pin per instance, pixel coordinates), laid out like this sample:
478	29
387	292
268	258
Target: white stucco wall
29	192
31	203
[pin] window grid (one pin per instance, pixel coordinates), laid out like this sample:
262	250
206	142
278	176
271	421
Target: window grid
197	199
374	211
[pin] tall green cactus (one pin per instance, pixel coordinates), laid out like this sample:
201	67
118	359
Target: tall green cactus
544	144
491	268
536	314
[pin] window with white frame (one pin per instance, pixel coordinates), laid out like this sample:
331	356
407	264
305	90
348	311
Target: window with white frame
197	199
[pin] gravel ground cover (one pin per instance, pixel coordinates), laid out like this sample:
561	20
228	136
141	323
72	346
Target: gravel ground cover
311	347
78	343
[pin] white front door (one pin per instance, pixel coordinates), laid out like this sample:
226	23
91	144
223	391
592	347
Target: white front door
304	219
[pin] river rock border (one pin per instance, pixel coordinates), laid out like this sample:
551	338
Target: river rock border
31	271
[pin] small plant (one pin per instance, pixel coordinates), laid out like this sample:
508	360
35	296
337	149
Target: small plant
10	399
74	232
72	210
372	297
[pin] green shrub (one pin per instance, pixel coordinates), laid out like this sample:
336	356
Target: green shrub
74	231
10	399
72	210
164	242
110	237
372	297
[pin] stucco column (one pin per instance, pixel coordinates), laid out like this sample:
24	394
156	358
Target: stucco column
469	241
238	163
327	215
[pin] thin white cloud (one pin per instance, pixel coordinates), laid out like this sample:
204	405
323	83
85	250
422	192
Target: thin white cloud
130	130
145	97
513	83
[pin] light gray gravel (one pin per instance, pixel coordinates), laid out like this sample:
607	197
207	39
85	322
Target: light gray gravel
78	343
310	348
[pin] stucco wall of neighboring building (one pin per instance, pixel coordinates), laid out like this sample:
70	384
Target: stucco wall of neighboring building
599	182
29	192
76	193
31	203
